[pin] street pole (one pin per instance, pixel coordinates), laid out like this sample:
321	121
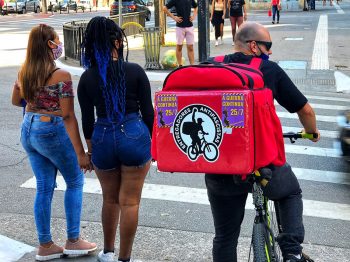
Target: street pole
120	13
157	12
203	30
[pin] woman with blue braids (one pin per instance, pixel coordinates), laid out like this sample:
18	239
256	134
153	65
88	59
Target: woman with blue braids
119	140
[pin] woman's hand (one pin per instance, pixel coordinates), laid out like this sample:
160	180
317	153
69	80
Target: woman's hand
245	16
85	162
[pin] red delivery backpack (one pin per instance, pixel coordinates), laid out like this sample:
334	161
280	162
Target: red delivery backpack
216	118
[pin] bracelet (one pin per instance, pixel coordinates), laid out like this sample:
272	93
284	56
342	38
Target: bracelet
89	153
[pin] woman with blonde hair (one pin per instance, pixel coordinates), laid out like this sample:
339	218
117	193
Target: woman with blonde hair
50	136
119	140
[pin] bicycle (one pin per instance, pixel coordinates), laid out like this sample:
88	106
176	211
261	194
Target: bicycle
209	150
267	225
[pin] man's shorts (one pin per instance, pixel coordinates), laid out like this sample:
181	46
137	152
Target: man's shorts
185	32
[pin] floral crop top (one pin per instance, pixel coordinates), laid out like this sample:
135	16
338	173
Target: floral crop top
48	97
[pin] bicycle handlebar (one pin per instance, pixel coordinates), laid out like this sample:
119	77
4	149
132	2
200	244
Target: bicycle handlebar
294	136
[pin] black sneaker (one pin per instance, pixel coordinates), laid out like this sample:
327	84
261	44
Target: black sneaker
304	258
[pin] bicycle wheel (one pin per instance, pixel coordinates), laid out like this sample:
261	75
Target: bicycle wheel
261	243
275	226
192	152
210	152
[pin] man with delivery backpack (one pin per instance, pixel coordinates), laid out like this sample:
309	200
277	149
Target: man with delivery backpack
232	97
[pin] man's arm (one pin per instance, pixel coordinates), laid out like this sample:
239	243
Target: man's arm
244	12
195	10
177	19
307	118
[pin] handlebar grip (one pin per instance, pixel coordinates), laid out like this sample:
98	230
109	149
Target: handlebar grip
309	135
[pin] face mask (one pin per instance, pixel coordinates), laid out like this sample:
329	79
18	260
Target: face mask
262	55
57	52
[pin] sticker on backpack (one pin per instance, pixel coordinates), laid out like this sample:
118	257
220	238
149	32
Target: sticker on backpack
198	131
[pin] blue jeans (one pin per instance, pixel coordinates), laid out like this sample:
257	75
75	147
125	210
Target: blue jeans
49	149
114	144
227	198
274	12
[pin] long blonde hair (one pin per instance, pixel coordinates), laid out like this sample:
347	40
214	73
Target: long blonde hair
39	62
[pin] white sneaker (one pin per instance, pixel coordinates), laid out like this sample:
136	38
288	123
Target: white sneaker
216	43
106	257
133	260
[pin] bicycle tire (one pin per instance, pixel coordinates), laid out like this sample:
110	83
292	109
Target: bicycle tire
192	156
261	244
275	227
210	152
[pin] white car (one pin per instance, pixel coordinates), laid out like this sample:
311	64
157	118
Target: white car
85	4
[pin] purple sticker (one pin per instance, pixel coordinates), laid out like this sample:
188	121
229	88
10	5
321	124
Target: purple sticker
233	110
166	109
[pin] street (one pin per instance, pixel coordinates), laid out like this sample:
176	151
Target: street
175	222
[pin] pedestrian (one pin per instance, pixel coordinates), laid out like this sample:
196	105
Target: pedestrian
276	7
119	141
238	14
184	26
1	5
50	136
217	19
228	194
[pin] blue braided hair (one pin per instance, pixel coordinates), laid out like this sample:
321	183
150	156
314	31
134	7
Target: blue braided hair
97	46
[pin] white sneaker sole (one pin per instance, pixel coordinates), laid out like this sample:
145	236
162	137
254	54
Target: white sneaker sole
77	253
49	257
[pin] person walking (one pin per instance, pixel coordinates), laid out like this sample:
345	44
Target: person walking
238	14
119	142
217	19
50	137
184	26
276	7
228	194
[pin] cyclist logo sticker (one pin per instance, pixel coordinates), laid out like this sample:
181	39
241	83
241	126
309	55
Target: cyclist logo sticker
197	131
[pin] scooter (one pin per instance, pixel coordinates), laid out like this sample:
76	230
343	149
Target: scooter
344	134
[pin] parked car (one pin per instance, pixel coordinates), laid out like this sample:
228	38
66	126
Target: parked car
63	4
85	5
22	6
344	135
129	6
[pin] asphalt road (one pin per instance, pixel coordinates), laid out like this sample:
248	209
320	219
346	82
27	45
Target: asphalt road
173	228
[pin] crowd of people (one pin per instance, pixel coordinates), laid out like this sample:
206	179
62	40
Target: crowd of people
118	141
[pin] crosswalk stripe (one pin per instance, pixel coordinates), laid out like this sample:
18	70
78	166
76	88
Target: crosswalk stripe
312	151
322	176
328	98
331	119
313	175
12	250
199	196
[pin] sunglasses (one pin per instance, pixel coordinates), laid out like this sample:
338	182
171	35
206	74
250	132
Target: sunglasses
268	45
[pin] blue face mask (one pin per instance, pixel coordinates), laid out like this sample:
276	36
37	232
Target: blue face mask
263	56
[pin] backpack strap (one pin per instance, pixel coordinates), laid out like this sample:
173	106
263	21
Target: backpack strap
220	58
256	62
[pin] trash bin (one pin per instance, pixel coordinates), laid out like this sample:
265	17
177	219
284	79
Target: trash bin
151	39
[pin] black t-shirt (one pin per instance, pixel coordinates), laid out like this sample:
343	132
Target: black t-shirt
283	89
183	9
236	7
138	96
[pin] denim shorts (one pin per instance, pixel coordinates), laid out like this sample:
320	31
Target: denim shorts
126	143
